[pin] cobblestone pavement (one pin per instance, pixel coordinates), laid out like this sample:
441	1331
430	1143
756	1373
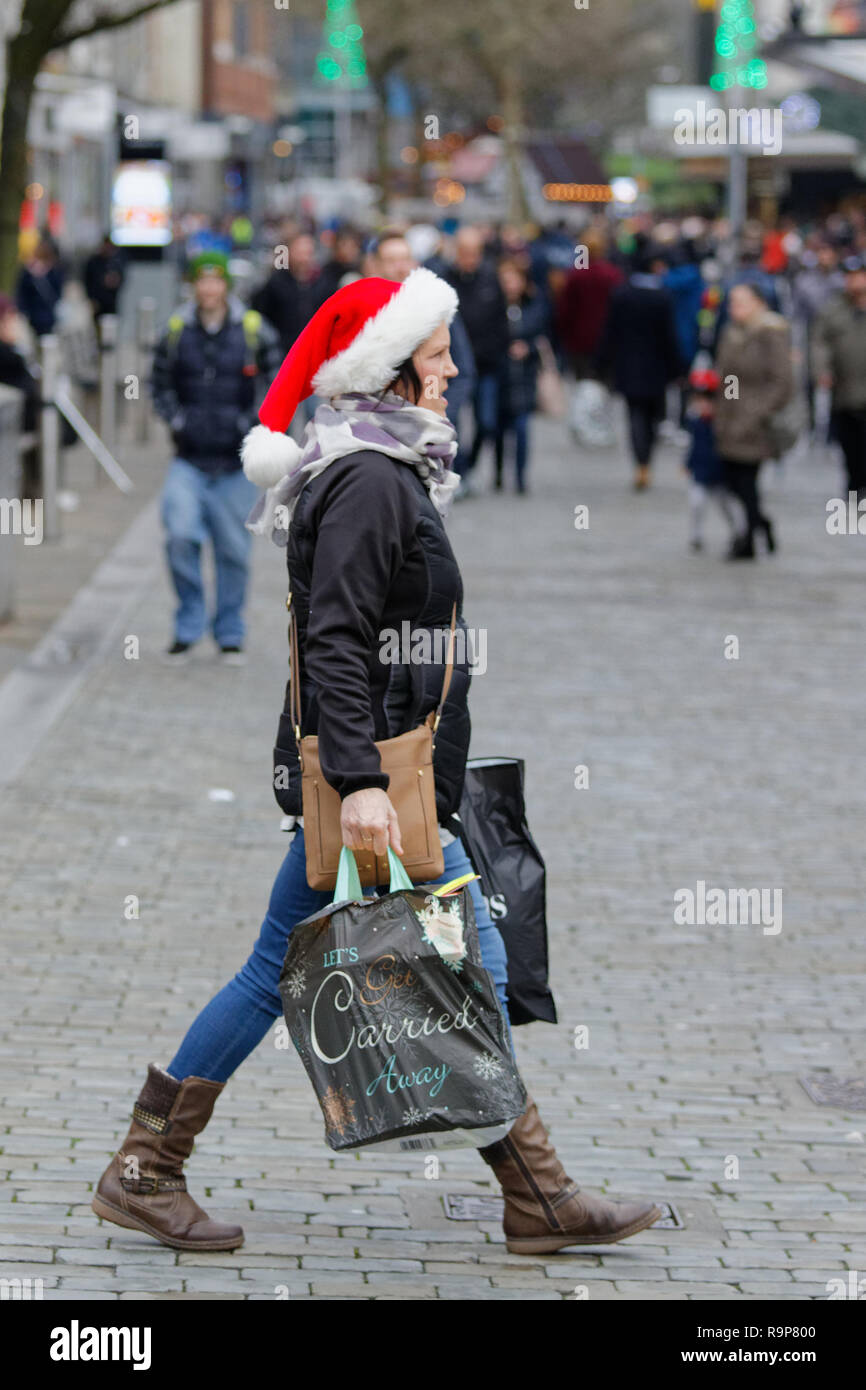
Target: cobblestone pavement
606	647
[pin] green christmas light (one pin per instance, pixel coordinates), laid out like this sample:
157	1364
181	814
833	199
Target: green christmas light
735	44
342	58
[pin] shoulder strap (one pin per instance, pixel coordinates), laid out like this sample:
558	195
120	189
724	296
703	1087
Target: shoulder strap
176	325
252	324
294	673
449	668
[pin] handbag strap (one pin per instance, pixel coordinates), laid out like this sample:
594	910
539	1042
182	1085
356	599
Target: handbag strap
294	676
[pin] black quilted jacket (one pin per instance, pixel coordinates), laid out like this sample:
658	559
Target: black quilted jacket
367	553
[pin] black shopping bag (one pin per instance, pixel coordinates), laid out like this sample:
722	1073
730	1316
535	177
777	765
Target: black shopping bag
496	836
396	1020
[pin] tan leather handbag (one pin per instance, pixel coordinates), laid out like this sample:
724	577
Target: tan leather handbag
408	761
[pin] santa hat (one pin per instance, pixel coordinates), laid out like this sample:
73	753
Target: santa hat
354	342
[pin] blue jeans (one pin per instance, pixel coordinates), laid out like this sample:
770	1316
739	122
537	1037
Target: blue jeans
519	425
485	403
234	1022
197	505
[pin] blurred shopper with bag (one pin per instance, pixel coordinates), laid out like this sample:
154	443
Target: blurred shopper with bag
359	511
755	367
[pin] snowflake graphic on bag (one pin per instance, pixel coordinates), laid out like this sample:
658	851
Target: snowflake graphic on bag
296	982
487	1066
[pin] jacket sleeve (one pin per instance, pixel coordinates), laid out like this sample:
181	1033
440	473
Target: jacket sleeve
821	357
673	356
779	378
462	387
165	398
269	354
364	525
605	353
266	301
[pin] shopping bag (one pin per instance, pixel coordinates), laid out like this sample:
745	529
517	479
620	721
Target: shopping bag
396	1020
591	415
550	387
493	828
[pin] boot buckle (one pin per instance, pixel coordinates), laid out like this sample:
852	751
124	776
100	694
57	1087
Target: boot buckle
149	1186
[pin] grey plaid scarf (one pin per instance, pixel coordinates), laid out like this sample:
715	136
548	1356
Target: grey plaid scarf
347	424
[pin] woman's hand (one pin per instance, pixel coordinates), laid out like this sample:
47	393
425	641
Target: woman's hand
369	822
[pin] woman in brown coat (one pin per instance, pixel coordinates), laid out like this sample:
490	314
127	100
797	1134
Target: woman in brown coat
754	363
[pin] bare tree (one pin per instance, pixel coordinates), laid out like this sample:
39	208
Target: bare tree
43	26
514	58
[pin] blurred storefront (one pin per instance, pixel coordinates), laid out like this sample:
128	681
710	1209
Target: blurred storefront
198	80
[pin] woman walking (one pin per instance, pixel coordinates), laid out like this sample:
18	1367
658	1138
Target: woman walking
366	547
754	363
527	321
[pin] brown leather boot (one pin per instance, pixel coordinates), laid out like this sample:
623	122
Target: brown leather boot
143	1186
544	1209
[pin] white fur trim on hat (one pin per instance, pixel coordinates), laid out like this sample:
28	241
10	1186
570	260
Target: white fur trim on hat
371	360
268	456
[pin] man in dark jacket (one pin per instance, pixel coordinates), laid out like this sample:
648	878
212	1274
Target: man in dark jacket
209	372
482	309
40	288
839	363
103	279
290	296
345	262
394	261
639	350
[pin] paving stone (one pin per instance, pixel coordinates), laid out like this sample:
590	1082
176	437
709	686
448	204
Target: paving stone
680	1072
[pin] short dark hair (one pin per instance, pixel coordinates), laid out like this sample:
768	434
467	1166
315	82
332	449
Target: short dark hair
407	376
756	289
389	234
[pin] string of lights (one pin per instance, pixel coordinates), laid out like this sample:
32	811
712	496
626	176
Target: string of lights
738	63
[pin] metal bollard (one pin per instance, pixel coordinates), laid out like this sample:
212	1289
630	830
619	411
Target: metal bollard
145	340
11	506
108	383
49	435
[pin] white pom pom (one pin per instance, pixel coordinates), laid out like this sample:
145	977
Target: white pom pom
268	456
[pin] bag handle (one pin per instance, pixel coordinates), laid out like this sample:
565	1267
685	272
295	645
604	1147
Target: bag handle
348	885
294	678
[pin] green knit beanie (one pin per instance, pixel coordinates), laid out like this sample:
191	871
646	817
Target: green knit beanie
215	262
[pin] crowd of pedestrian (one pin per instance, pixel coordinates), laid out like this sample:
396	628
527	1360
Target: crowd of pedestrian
713	355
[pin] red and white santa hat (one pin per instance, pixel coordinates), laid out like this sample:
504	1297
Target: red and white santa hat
354	342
